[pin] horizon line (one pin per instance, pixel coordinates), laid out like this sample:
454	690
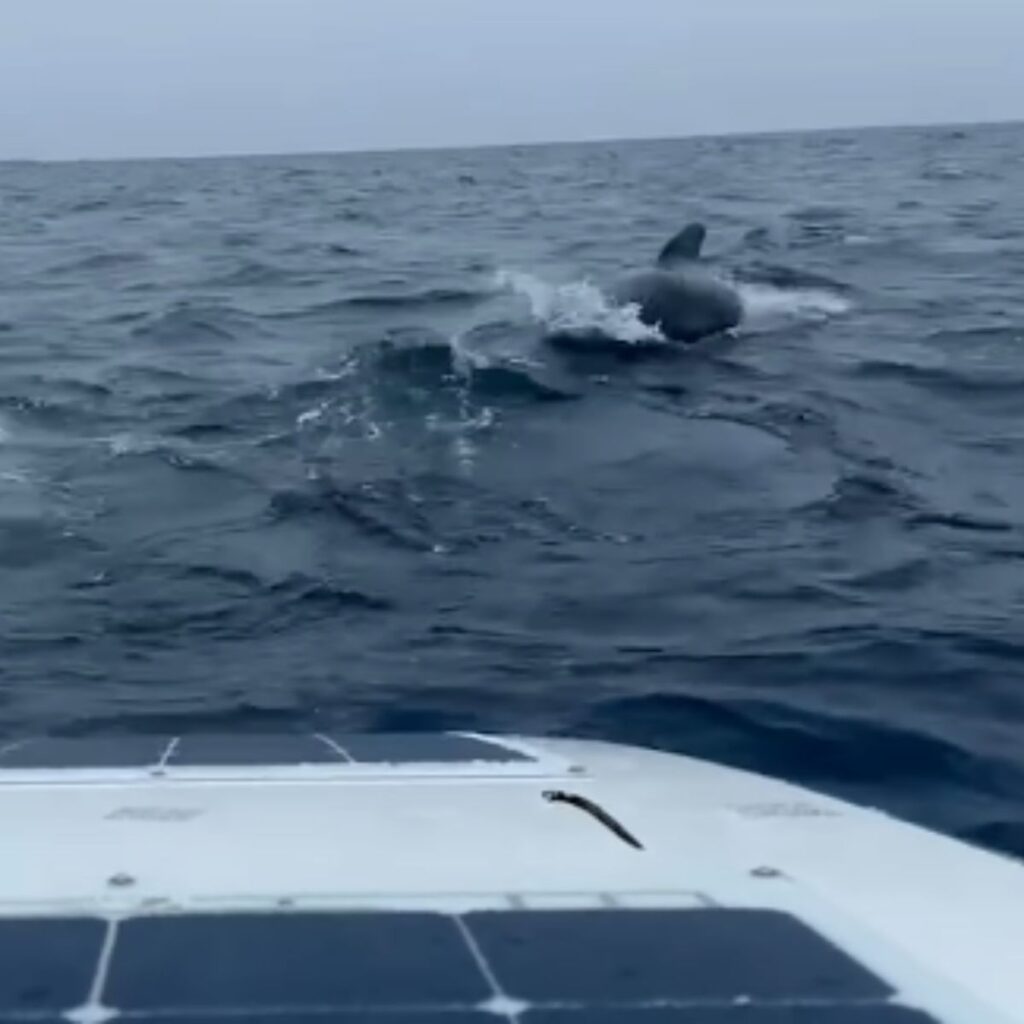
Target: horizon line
531	144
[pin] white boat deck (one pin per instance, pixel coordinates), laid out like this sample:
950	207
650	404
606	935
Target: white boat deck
474	829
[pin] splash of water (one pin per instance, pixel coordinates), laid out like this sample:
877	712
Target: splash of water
578	307
766	306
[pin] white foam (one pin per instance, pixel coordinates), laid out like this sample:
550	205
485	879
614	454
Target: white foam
131	444
312	415
347	368
764	305
464	358
578	307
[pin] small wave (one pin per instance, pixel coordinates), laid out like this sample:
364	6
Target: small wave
204	430
58	387
355	215
436	363
943	172
188	323
240	239
956	382
819	214
157	383
123	317
760	238
428	359
275	607
777	275
384	514
979	338
178	456
579	308
329	596
51	414
511	382
427	297
296	588
862	495
32	540
89	206
338	249
963	521
253	273
99	261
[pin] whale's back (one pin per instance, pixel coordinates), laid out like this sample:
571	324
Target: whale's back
684	304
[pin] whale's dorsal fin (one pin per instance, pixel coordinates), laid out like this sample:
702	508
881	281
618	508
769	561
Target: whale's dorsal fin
684	246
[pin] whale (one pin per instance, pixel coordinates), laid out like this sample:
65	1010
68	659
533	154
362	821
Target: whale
679	296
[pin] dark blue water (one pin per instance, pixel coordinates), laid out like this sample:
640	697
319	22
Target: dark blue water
283	444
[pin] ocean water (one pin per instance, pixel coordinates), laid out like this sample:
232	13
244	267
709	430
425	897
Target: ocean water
358	440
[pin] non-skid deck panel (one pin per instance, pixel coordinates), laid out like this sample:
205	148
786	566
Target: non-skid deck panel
354	959
612	966
251	750
703	955
874	1013
852	1013
750	1013
47	964
459	1015
222	751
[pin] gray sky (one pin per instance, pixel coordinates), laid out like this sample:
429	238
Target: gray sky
97	78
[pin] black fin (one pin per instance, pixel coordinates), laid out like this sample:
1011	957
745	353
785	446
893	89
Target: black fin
684	246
